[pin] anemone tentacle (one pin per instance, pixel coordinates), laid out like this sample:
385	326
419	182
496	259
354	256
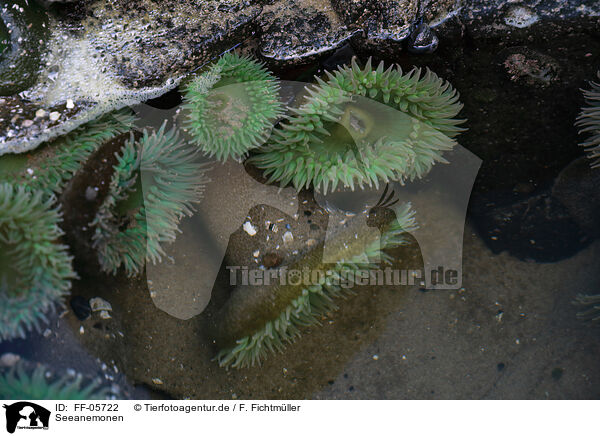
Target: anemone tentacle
35	270
589	122
341	134
54	164
154	185
232	107
22	383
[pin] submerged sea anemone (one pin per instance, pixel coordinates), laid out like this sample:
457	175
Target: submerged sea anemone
154	185
35	270
23	32
19	383
589	121
232	107
362	126
254	322
53	164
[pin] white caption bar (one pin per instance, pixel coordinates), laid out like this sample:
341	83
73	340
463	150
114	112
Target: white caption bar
285	418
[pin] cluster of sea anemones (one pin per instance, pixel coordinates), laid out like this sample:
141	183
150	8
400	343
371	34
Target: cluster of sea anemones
357	127
360	126
155	183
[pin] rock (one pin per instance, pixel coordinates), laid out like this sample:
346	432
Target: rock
9	359
577	187
103	55
81	307
538	228
317	31
531	67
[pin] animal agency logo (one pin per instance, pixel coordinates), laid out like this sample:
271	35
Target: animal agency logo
25	415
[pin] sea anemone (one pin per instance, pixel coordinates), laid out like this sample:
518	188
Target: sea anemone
51	166
23	32
254	322
21	383
35	270
589	121
154	185
363	126
232	107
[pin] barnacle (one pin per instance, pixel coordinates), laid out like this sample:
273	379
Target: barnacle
154	185
23	32
232	107
51	166
362	126
23	383
35	270
253	323
589	122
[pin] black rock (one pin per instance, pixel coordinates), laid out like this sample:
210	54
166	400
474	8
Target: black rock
81	307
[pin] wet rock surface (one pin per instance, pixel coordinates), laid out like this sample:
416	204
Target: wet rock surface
107	55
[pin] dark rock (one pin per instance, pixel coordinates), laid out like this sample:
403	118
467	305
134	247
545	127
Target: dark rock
537	228
81	307
577	187
317	31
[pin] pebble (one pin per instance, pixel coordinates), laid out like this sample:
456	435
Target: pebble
9	359
70	104
98	304
249	228
157	381
288	237
91	193
54	116
27	123
40	113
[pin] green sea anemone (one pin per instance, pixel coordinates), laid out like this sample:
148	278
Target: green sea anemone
232	107
589	121
23	33
254	322
52	165
155	183
21	383
363	126
35	270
